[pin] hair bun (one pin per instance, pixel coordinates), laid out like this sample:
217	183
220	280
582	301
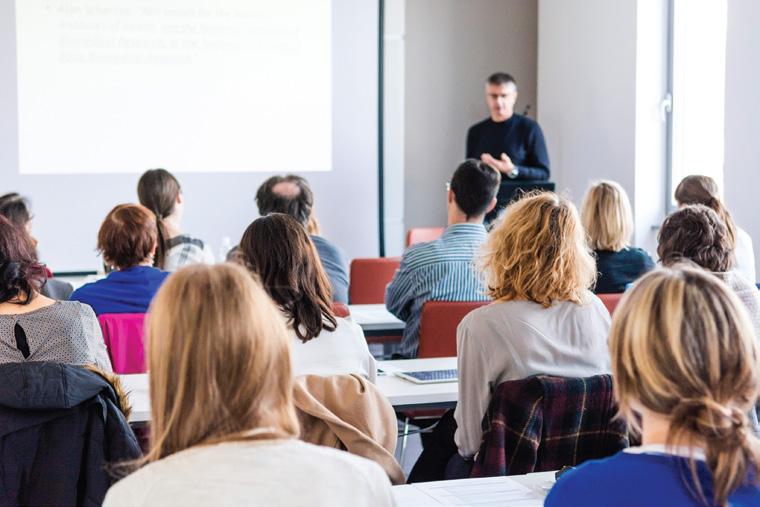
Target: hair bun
712	420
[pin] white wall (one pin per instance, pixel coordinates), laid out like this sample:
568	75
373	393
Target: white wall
451	47
742	160
601	73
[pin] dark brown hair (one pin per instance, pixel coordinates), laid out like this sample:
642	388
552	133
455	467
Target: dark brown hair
128	235
695	233
21	276
474	185
501	78
277	248
158	190
704	190
298	204
16	209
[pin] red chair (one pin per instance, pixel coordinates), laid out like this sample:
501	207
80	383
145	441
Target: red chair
423	234
610	301
369	278
123	334
340	310
438	326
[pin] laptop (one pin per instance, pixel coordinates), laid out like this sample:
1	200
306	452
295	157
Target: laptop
429	377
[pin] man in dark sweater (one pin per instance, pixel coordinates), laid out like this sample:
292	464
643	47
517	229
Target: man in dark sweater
508	142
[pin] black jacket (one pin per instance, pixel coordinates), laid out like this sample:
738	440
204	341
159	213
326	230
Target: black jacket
60	425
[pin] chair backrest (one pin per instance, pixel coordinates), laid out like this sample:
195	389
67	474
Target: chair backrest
543	423
438	326
123	334
610	301
423	234
340	310
369	278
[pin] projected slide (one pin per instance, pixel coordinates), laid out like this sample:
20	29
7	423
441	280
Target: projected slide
108	86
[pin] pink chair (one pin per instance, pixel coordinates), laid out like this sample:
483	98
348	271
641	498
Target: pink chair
423	234
610	301
123	334
438	326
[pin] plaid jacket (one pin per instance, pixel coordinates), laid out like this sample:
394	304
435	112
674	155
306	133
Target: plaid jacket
544	423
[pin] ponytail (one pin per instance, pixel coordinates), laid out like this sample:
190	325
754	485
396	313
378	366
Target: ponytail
159	259
157	190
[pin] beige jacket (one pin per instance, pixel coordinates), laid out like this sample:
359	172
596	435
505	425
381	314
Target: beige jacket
348	412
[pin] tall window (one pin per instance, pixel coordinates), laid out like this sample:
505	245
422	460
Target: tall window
698	59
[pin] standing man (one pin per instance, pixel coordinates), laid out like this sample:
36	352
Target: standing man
511	143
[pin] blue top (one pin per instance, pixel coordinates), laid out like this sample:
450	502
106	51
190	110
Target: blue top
127	291
519	137
440	270
634	480
334	261
618	269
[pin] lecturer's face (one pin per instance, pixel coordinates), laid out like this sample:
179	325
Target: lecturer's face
501	100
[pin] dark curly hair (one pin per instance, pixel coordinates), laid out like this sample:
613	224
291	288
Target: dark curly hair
21	275
698	234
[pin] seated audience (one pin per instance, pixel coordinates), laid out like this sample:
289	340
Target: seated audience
127	240
159	191
292	195
221	391
704	190
544	319
443	270
34	327
685	371
277	248
697	234
608	220
17	210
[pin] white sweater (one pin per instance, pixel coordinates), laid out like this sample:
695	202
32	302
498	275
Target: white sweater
338	352
271	472
516	339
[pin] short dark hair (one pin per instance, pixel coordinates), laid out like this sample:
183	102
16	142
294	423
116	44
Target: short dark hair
297	205
474	184
128	235
21	275
501	78
695	233
277	249
15	208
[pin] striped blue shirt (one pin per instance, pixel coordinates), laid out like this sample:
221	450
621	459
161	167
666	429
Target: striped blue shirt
441	270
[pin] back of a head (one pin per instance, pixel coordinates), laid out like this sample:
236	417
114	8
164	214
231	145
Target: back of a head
288	194
697	189
16	209
474	185
158	190
607	217
696	233
683	347
277	248
21	276
537	252
219	361
128	236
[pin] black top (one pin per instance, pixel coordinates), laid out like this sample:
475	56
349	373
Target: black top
618	269
519	137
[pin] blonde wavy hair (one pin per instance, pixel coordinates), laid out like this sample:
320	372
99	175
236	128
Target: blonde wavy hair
607	217
219	361
538	252
683	346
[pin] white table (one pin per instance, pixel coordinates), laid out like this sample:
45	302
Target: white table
376	320
517	490
401	393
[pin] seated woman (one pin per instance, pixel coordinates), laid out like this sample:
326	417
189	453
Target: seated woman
224	426
704	190
159	191
17	210
685	372
608	220
277	248
127	241
34	327
696	233
544	319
